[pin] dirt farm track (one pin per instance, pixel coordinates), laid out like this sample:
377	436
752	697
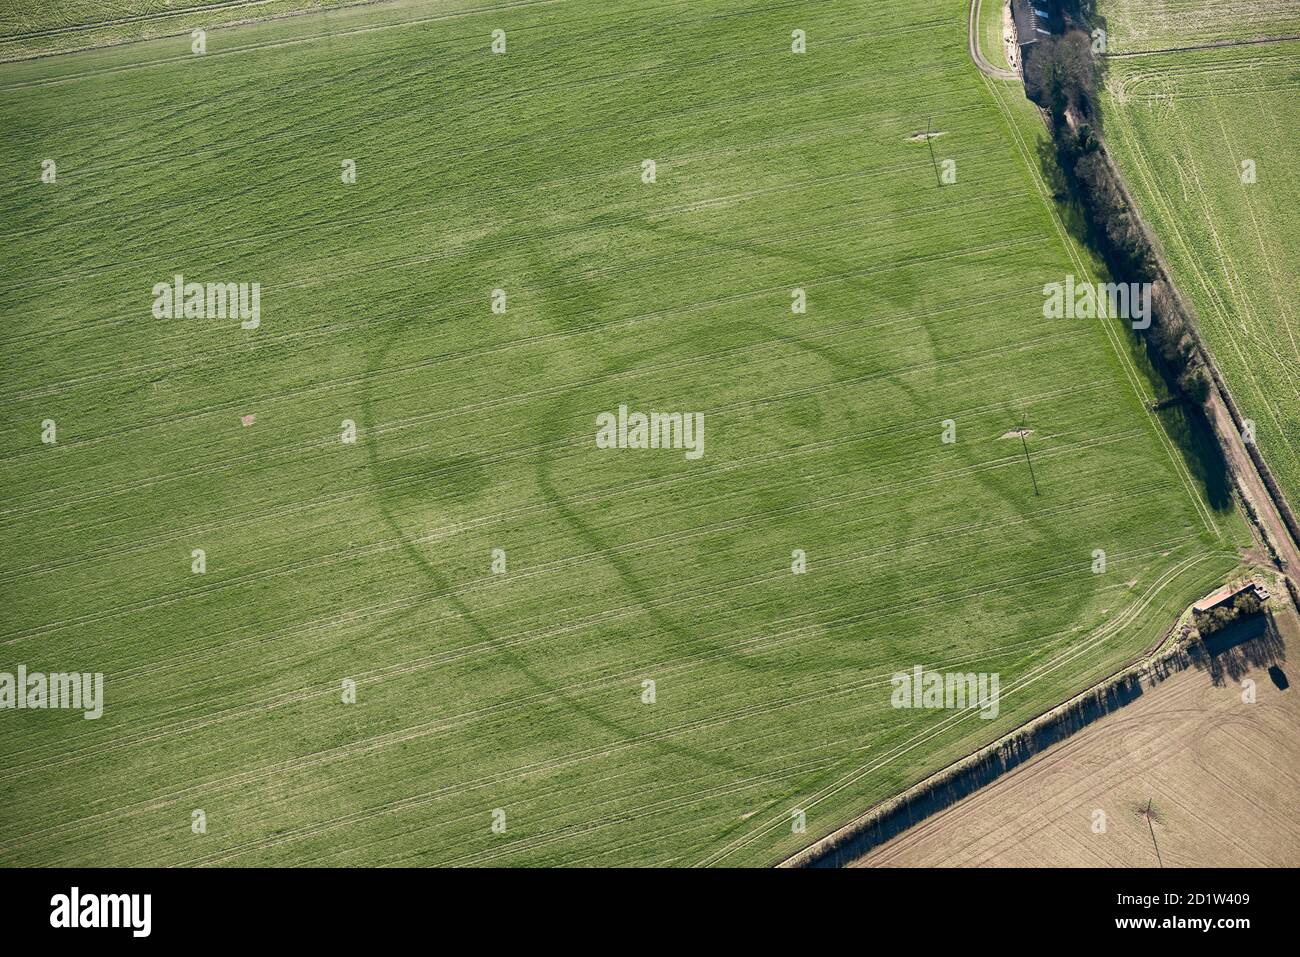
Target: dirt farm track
1222	778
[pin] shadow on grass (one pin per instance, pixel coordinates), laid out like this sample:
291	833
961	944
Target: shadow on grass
1184	421
1192	432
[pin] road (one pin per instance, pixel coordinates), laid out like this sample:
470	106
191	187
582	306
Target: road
973	39
1234	449
1251	485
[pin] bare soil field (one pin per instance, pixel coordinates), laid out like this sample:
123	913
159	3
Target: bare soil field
1220	776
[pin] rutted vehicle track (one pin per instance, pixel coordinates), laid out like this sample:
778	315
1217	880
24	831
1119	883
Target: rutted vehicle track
1270	509
976	54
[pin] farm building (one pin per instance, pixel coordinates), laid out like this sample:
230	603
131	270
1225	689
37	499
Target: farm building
1228	597
1030	21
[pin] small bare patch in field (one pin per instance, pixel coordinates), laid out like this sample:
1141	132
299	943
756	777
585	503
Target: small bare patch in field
1190	774
1115	87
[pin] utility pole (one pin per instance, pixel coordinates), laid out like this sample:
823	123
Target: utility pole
1025	445
1147	814
938	180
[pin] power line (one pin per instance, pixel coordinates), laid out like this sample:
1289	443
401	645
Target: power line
1028	461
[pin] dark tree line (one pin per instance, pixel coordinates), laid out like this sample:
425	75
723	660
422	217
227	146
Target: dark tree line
1219	618
1062	75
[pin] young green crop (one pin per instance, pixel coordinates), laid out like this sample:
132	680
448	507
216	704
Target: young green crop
1203	138
503	717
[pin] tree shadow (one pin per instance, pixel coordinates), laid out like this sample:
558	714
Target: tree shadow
967	777
1247	644
1191	430
1185	422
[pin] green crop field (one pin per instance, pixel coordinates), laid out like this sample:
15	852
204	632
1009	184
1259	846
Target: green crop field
519	698
40	27
992	42
1133	25
1191	131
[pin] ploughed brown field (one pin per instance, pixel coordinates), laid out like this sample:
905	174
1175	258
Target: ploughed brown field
1222	778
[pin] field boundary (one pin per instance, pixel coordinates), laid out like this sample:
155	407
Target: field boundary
970	774
1243	457
976	770
1235	449
1124	359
